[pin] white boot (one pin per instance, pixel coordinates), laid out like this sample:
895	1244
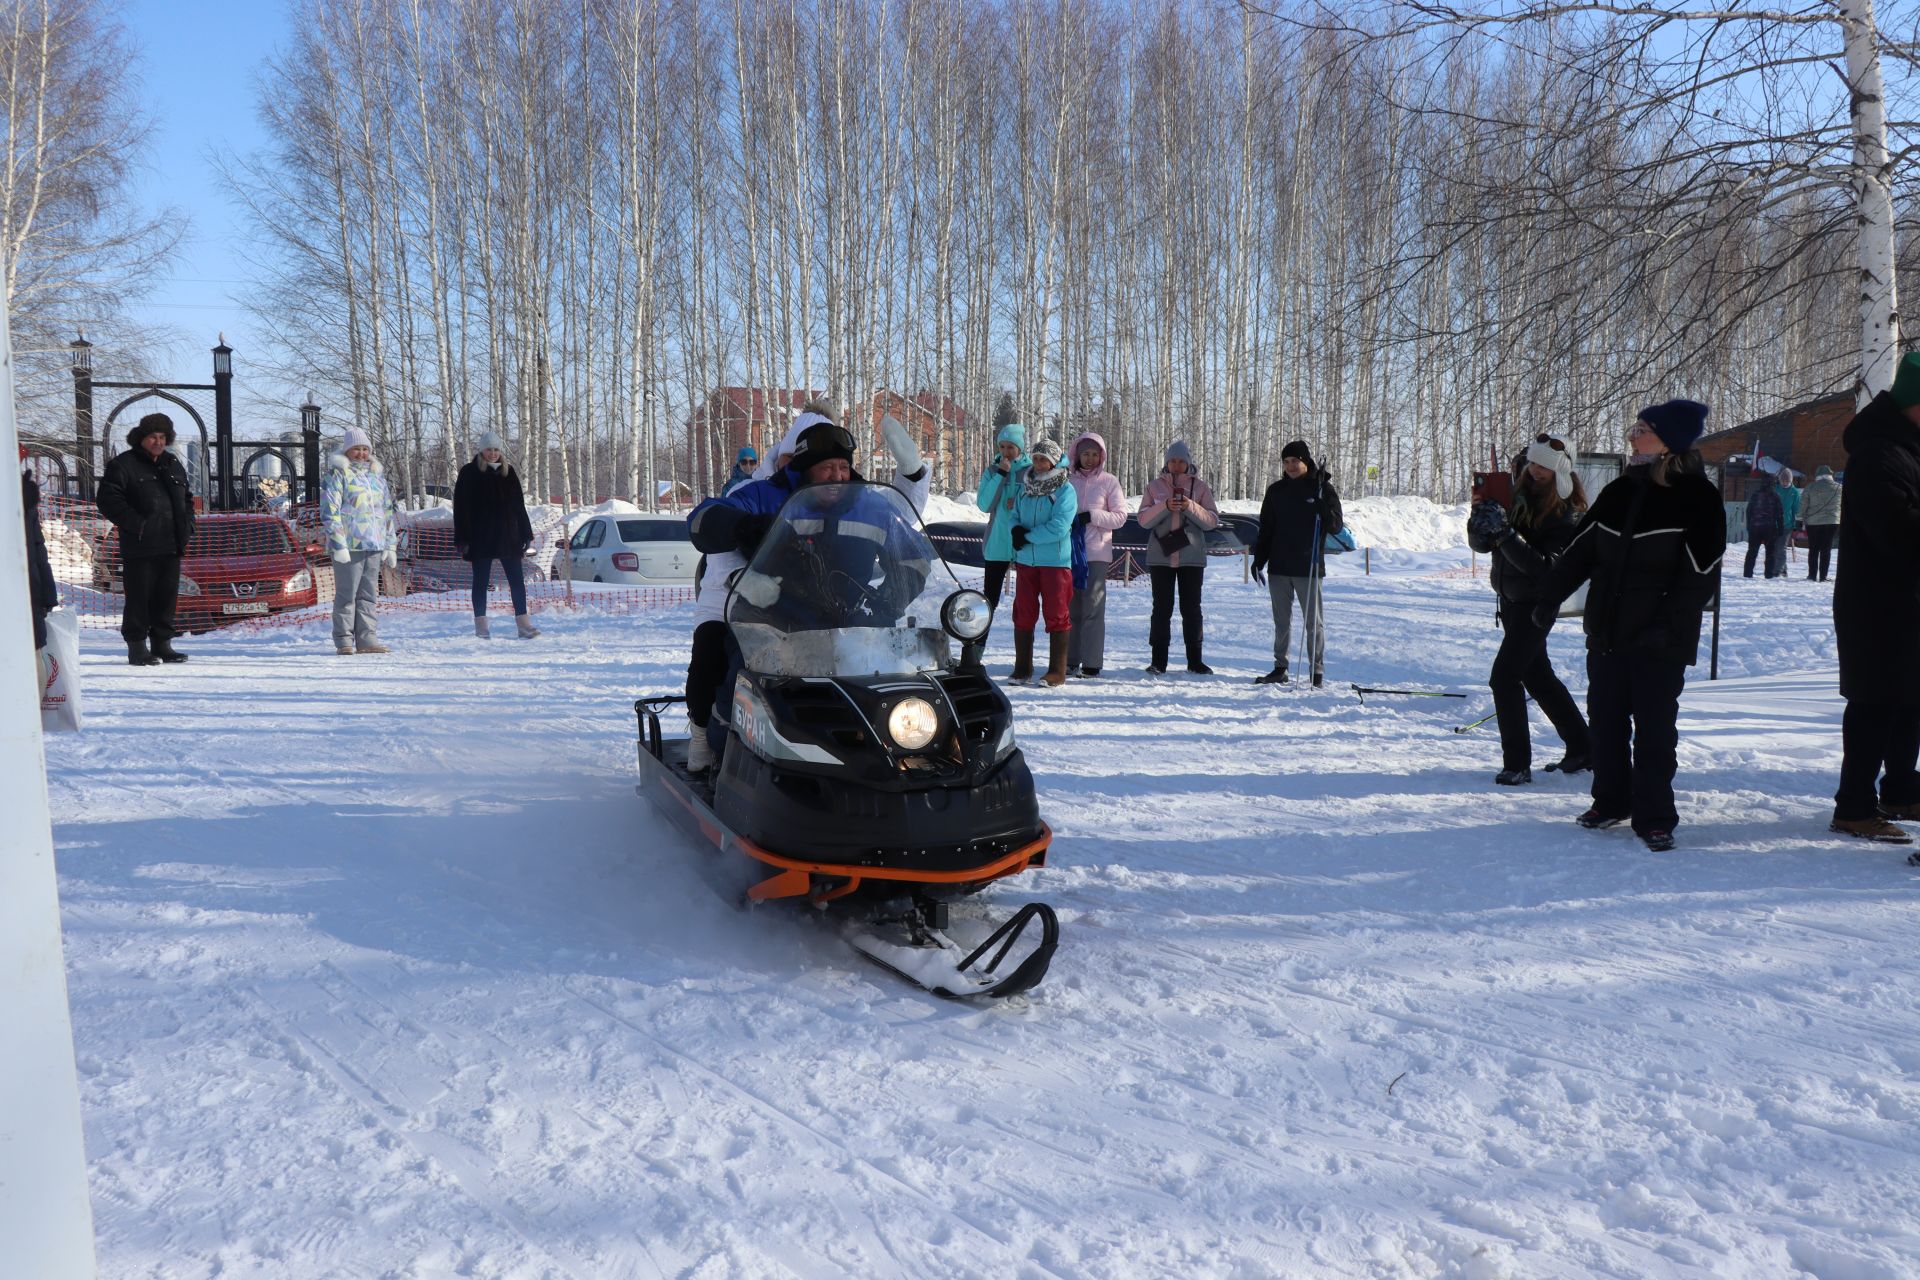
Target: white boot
527	630
480	625
699	750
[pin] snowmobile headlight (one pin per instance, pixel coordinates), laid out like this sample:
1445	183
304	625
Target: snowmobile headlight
912	723
966	615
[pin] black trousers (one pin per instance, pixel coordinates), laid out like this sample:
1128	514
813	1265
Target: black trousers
1633	706
1877	735
1522	667
706	669
153	592
997	571
1187	579
1820	550
1775	545
515	572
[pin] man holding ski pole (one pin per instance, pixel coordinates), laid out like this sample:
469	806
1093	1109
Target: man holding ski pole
1301	510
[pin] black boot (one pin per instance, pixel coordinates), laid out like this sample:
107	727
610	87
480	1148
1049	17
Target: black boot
163	650
137	655
1022	656
1158	666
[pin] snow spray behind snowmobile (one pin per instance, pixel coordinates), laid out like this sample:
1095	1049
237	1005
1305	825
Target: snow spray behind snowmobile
864	765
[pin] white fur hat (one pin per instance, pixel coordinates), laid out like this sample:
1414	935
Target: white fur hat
1557	456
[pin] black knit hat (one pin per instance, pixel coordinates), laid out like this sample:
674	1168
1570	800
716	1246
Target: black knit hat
1678	423
1297	449
148	425
821	442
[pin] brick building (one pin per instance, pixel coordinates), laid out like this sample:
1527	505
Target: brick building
1803	437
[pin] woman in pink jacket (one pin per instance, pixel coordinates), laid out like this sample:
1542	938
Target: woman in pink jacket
1176	511
1103	508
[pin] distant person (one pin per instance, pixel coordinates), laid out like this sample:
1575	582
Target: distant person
1876	615
1524	541
43	590
490	523
1651	547
1820	509
743	464
1000	484
1176	511
1042	537
146	494
1766	529
1103	508
356	507
1301	510
1789	506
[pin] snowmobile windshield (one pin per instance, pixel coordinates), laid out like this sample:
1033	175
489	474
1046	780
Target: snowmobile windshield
845	583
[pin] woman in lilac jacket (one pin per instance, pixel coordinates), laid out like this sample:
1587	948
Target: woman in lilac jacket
1103	508
1176	511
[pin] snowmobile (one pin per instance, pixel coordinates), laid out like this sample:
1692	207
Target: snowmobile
866	769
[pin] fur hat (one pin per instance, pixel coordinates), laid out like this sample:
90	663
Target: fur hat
148	425
1045	448
489	440
1559	461
1678	423
355	438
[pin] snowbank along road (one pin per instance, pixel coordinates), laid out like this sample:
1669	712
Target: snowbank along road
380	969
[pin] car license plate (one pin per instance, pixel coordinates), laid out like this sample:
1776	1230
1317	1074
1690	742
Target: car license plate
256	606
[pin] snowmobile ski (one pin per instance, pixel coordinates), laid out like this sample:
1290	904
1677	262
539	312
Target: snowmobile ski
926	956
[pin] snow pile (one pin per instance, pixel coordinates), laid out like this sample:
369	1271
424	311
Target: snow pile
958	509
1407	523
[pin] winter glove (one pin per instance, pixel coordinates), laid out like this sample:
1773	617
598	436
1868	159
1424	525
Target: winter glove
1260	573
342	556
748	530
1019	536
1003	466
758	589
1488	520
391	558
460	549
1083	519
906	455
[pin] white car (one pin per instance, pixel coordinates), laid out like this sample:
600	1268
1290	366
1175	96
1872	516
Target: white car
637	550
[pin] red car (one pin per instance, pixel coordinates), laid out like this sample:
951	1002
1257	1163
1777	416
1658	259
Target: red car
239	564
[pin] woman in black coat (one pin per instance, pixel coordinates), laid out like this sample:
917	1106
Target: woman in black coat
490	523
1650	547
144	491
1524	542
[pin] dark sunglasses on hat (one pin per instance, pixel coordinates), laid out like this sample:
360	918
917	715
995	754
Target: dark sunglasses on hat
1552	442
833	432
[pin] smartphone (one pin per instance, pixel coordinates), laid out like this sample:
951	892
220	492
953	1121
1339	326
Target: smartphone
1495	485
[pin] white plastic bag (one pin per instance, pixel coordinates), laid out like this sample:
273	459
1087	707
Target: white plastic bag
60	696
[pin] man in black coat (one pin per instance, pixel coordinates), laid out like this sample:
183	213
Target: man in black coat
145	493
1301	510
1876	614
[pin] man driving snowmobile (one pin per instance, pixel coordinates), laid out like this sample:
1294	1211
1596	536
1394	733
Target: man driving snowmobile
848	554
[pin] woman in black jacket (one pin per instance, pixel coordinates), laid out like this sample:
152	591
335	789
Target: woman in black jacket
1650	547
1548	502
490	523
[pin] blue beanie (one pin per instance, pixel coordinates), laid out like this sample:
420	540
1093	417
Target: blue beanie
1178	449
1678	423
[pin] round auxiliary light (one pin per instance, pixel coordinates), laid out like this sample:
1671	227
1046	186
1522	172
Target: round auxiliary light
912	723
966	615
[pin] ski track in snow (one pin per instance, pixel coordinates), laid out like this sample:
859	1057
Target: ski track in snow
380	969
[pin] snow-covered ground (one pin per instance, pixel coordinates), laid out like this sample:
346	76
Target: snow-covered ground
380	969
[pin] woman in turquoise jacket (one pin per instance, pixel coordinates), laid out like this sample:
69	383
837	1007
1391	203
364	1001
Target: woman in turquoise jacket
1042	538
999	484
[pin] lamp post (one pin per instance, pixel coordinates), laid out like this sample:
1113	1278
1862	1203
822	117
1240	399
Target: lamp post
310	447
223	420
83	410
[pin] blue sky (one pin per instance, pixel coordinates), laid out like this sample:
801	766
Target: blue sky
198	61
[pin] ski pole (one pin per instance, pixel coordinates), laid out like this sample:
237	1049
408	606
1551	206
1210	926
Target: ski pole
1404	693
1462	728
